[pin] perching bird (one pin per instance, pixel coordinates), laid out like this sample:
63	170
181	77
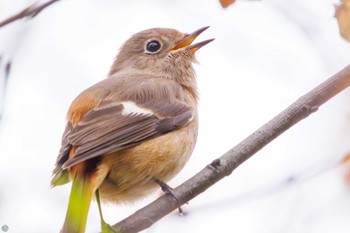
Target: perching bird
134	128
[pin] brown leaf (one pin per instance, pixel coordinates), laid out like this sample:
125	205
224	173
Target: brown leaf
346	158
226	3
342	13
346	162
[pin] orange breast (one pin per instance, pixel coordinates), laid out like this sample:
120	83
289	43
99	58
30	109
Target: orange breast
133	169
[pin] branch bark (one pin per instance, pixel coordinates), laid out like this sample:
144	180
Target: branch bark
226	164
29	12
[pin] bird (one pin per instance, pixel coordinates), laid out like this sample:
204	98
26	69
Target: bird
135	129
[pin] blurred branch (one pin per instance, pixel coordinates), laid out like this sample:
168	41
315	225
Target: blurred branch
224	166
29	12
3	83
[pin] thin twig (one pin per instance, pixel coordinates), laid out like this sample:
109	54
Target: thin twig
223	166
29	12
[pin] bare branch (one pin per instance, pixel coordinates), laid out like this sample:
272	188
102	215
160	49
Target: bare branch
223	166
29	12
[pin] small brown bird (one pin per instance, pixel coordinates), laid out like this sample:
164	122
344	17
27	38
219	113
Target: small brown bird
134	129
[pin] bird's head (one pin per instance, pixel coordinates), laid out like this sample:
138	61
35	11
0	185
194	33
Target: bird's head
162	52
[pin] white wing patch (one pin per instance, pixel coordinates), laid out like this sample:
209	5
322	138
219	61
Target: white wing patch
132	108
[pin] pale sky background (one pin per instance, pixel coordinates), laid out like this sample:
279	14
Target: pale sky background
266	54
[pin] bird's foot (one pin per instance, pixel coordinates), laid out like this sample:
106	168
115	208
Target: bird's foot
169	191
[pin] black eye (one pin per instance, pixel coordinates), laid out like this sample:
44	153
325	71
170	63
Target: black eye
153	46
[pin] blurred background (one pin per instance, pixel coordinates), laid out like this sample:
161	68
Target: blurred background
266	54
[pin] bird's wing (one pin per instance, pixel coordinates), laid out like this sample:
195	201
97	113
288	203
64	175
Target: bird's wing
112	126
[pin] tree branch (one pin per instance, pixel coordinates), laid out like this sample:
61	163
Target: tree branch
30	12
224	166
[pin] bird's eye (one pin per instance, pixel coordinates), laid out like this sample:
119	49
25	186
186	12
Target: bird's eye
153	46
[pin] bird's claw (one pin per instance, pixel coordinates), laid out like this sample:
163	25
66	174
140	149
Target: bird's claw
169	191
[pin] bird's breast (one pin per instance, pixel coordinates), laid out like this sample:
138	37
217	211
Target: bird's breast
132	170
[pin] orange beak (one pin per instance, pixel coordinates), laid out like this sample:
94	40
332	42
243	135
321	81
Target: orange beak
188	39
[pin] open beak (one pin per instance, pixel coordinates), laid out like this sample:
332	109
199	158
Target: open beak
188	39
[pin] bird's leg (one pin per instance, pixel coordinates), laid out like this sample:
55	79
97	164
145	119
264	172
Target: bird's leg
169	191
105	228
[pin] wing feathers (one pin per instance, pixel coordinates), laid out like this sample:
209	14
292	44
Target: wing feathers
107	129
118	114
